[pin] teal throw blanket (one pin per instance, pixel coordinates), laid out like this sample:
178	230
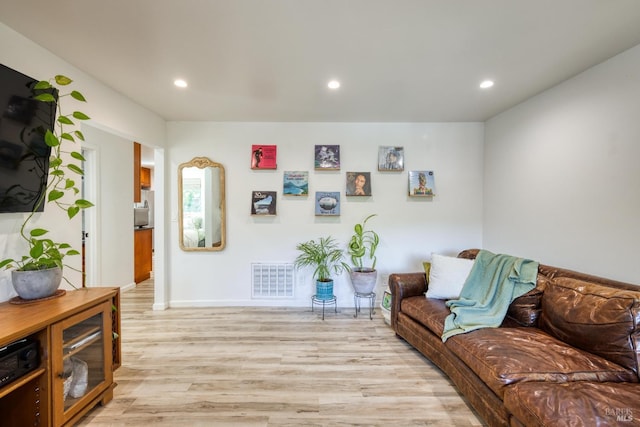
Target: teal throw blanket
493	283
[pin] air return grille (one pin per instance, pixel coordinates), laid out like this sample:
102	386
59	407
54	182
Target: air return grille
272	280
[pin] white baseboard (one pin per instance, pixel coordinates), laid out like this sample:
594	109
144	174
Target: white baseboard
160	306
128	287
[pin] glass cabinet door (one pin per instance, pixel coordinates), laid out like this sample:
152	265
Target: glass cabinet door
81	359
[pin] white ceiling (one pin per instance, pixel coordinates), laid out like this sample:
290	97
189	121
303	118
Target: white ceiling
270	60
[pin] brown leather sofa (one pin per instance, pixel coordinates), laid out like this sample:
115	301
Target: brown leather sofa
566	354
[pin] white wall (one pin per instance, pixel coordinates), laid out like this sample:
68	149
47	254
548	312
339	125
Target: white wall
108	110
410	228
562	182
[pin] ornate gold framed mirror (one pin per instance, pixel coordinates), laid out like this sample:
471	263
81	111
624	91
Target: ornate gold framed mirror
201	205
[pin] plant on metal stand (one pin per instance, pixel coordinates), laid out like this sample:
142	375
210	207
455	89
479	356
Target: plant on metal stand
363	244
326	258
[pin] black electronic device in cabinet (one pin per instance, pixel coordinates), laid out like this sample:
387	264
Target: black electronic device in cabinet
18	359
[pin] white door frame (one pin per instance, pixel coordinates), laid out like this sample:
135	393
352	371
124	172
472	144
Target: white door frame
161	290
91	215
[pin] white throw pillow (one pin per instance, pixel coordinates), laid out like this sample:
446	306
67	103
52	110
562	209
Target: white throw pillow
447	276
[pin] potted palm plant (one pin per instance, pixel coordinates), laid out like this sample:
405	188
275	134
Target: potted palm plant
38	273
362	250
326	258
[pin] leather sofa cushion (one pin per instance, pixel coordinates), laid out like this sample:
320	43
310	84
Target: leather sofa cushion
503	356
581	404
428	312
595	318
525	309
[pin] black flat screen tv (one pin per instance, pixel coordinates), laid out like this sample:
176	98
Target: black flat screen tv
24	156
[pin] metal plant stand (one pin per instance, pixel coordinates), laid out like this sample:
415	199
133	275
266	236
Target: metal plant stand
324	302
371	296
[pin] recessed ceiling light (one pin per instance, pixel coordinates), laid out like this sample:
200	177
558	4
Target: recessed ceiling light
486	84
180	83
333	84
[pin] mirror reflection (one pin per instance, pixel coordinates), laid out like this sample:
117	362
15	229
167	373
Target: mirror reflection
202	205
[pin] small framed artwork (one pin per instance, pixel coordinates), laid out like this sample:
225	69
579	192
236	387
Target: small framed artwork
358	183
386	300
295	183
327	203
421	184
327	157
263	202
390	158
264	156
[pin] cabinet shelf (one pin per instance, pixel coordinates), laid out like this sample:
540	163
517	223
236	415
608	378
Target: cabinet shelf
81	341
20	382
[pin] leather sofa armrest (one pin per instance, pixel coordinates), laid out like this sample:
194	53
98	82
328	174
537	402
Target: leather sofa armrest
404	285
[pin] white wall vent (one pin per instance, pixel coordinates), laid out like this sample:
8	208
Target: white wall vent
272	280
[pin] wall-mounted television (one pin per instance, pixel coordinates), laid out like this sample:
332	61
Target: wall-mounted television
24	156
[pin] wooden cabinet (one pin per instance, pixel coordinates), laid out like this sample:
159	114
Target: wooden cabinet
24	401
143	253
145	178
81	362
77	327
137	158
141	175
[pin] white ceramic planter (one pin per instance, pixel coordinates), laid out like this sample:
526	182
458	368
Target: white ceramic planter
363	282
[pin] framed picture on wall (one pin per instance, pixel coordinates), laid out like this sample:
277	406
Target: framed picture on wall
358	183
390	158
421	184
264	156
386	300
295	183
327	157
327	203
263	202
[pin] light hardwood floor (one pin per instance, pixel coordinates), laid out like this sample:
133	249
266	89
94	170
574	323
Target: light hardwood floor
238	366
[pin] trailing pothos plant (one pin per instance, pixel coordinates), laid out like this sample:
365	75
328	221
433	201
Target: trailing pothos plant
64	168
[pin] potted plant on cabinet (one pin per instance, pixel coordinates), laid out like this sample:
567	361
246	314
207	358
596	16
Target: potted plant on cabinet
362	248
38	273
326	258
